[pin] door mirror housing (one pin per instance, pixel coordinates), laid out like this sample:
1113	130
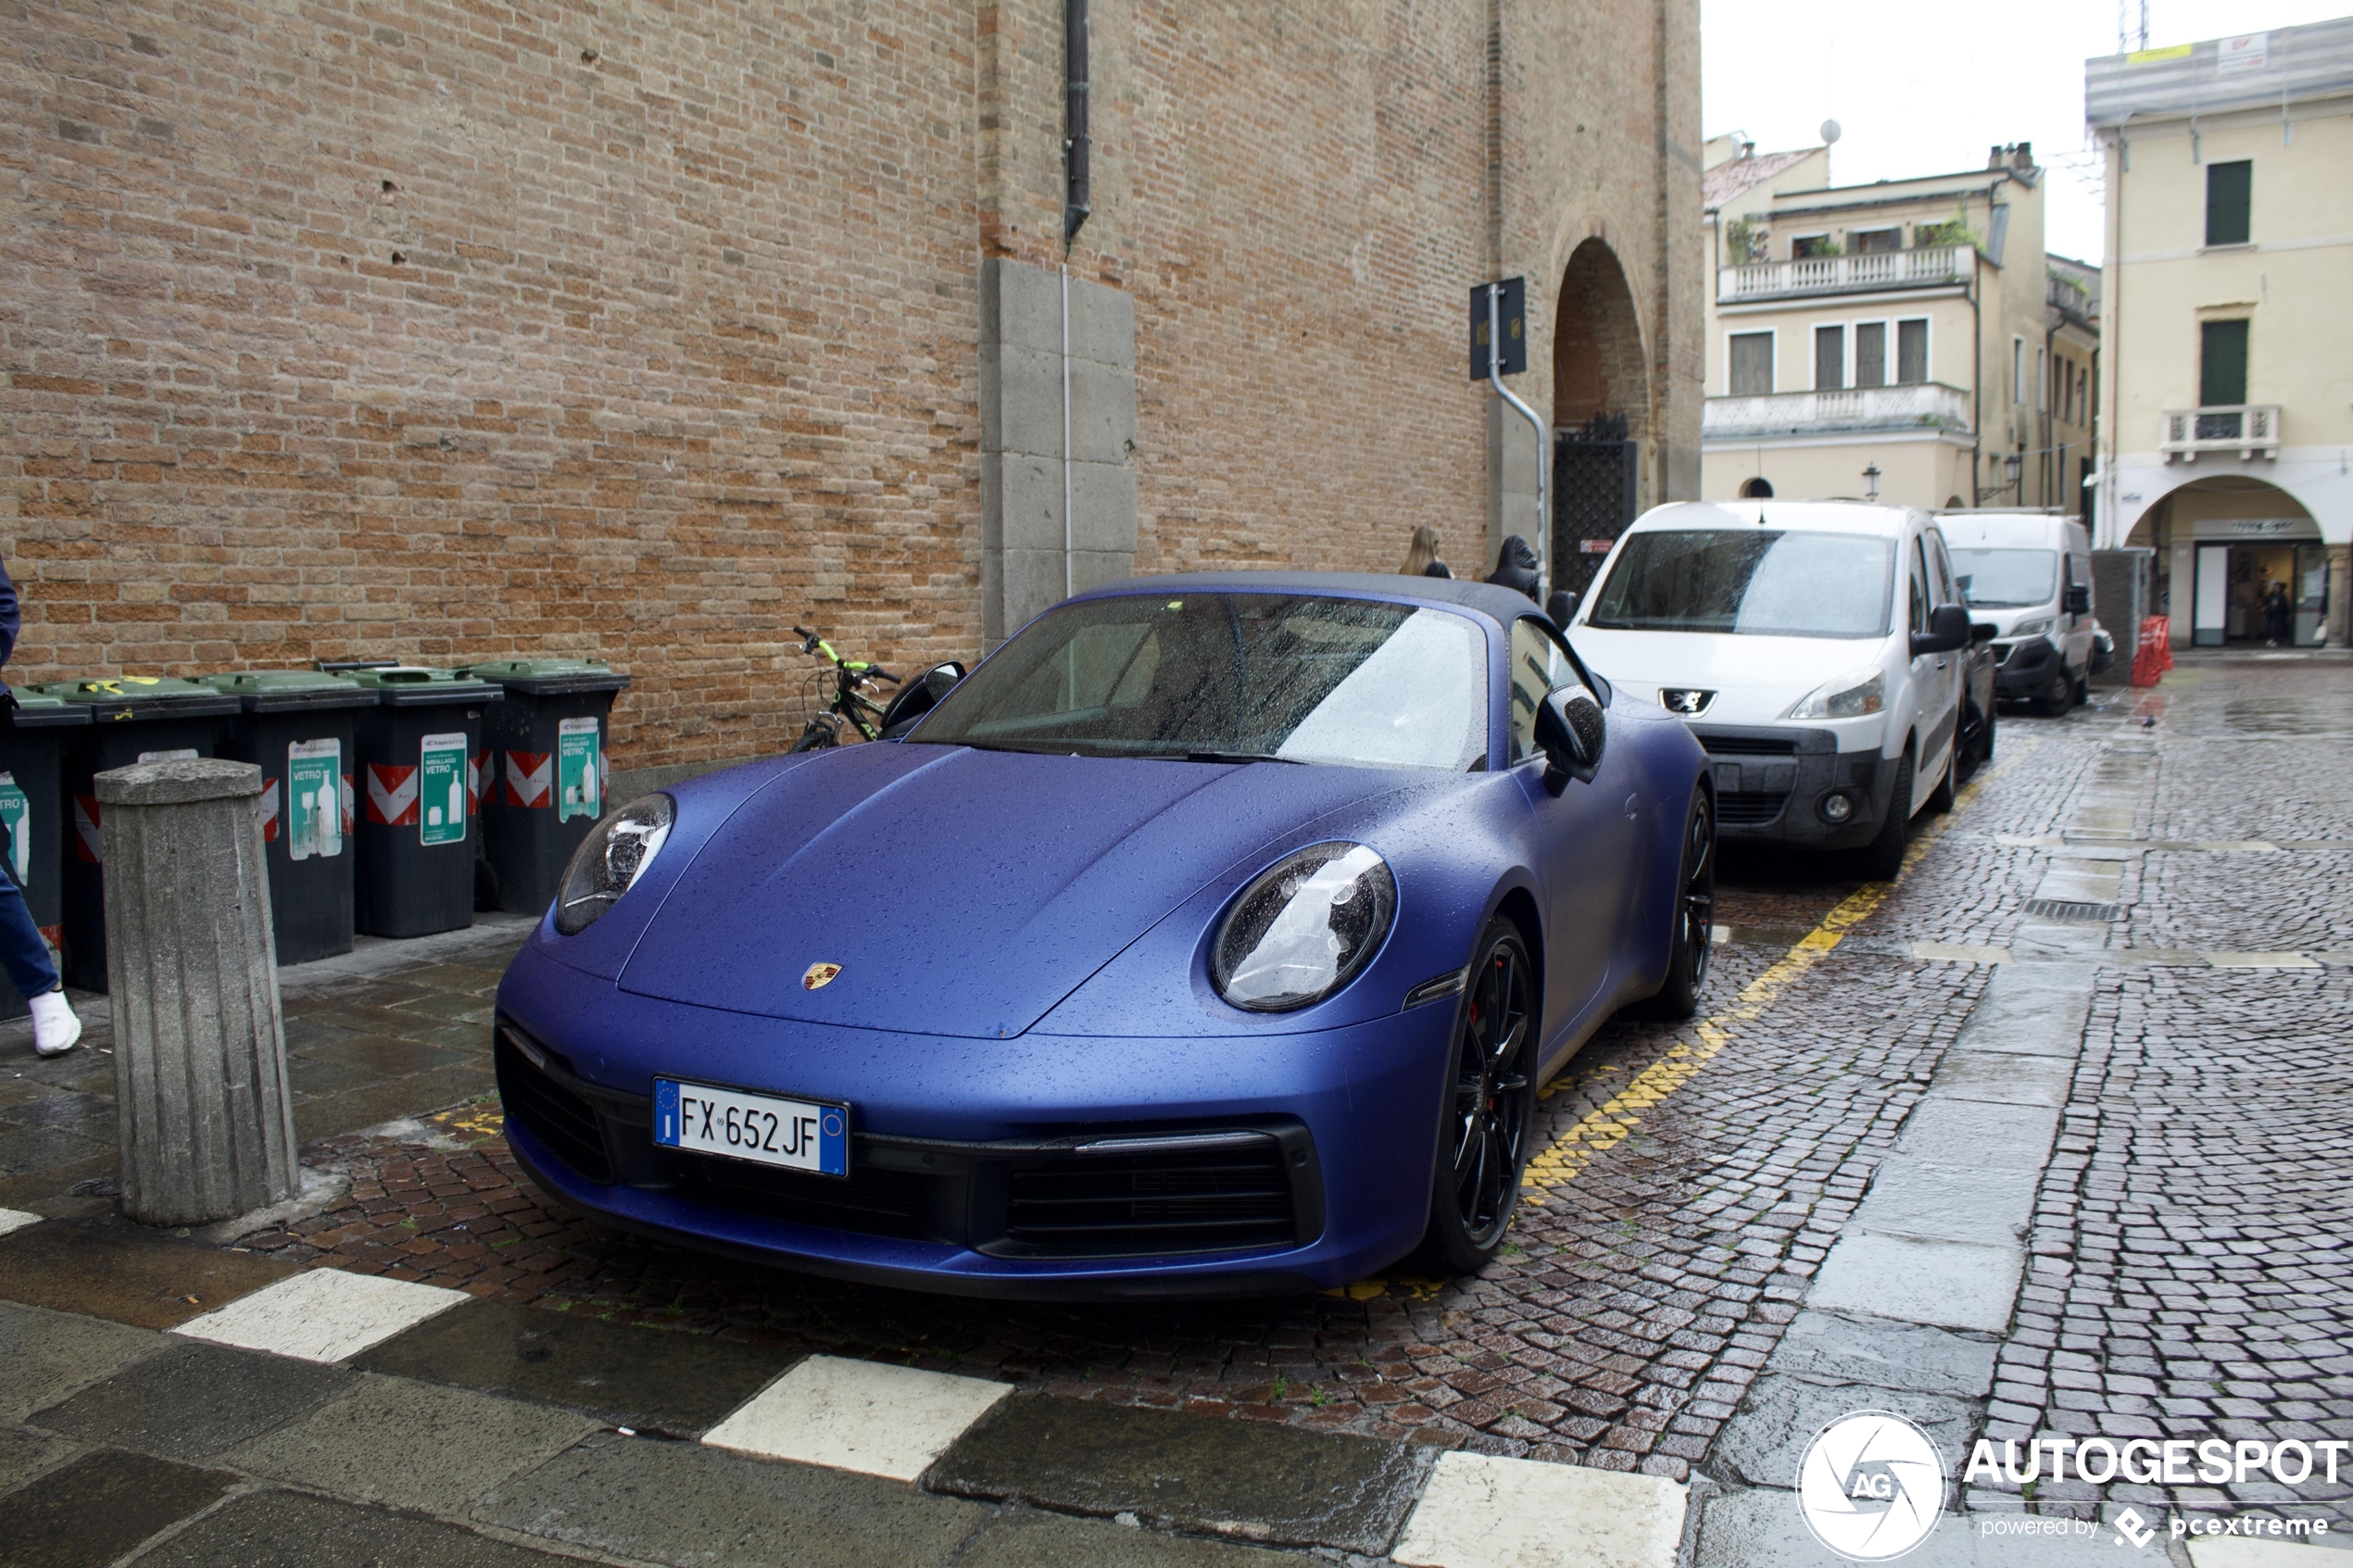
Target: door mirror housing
1981	632
2078	600
919	696
1572	731
1561	608
1948	628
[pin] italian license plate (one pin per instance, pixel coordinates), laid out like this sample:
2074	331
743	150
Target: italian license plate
798	1134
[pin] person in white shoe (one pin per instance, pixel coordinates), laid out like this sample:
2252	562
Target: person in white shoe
22	952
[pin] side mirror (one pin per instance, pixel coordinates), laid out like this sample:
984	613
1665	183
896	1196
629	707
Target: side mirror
1561	607
1981	632
919	696
1572	731
1948	628
2078	600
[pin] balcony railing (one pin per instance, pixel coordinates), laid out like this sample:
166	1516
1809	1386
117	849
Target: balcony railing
1921	405
2249	430
1935	267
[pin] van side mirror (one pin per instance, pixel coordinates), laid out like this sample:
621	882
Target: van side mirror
1561	608
1949	629
1981	632
919	696
1570	729
2079	600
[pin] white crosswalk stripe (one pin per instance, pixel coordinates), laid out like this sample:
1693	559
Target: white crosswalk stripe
858	1415
324	1315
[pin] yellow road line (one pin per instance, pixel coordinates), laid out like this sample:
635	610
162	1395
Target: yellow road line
1600	1131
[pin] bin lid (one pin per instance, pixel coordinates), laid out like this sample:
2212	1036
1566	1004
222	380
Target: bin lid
40	710
119	698
548	677
414	685
284	691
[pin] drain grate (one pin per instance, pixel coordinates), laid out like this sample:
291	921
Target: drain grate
2067	910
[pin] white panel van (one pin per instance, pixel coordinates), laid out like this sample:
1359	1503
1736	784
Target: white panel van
2030	574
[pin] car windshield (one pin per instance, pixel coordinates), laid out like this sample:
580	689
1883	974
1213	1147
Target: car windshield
2005	579
1754	582
1231	677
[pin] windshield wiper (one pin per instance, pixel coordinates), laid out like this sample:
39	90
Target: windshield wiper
1234	756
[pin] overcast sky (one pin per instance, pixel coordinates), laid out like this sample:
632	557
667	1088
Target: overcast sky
1918	89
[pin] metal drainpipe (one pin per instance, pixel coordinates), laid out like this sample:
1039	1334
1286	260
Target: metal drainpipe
1077	204
1977	367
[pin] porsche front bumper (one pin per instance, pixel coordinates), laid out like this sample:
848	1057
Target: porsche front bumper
1041	1166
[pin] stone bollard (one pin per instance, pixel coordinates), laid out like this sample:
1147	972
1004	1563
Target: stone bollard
205	1122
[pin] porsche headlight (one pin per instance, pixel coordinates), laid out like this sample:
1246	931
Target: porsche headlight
1849	696
610	859
2032	628
1303	928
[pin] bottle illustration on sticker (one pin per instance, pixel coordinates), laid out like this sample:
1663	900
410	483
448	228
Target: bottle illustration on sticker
314	803
15	815
441	789
579	777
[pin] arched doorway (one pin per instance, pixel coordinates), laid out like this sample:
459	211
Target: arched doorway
2222	542
1758	489
1601	414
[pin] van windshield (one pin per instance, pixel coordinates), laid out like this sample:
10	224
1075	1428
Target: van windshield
1753	582
2006	579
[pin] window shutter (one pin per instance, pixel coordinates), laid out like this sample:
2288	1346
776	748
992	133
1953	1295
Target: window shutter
1870	354
1751	364
2230	189
1911	353
2222	364
1830	358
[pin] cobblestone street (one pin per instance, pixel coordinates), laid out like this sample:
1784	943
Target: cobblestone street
1725	1242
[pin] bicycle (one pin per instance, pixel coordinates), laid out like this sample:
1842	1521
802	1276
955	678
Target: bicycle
850	701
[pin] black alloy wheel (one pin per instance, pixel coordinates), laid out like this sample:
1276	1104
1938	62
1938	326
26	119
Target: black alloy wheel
1693	943
2057	695
1489	1114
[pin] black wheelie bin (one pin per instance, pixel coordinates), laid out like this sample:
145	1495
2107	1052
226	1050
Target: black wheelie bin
547	779
298	726
418	756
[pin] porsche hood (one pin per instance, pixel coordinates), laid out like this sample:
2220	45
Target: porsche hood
960	892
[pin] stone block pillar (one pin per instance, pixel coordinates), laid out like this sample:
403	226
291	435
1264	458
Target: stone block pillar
1023	566
206	1124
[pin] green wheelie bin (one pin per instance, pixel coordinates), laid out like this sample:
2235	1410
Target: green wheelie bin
32	738
419	758
546	782
299	727
133	718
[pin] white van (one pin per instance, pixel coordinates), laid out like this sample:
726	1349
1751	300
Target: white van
1816	649
2030	574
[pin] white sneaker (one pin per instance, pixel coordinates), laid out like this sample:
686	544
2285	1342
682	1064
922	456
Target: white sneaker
55	1028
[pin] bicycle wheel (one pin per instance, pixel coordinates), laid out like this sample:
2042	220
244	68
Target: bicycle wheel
820	734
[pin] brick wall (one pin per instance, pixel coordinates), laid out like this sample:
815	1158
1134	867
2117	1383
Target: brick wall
445	331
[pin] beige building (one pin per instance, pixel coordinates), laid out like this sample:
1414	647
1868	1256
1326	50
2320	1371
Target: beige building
1910	327
2228	349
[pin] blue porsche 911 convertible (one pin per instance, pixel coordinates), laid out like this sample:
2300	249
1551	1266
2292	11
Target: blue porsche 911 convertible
1213	937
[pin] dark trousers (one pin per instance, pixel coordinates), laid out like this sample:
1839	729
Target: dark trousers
22	952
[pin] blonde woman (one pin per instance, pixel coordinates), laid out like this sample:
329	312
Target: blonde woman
1421	558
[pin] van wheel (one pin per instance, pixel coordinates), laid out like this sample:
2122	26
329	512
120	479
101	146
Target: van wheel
1940	799
2057	694
1882	859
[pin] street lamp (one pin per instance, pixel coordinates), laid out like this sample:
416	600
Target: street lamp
1870	482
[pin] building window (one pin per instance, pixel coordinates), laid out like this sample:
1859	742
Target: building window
1872	242
2222	364
2230	189
1911	352
1806	246
2018	370
1830	358
1751	364
1870	354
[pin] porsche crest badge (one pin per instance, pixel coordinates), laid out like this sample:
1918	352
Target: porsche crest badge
819	975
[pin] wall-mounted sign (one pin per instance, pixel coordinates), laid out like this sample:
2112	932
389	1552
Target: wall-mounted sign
2261	527
2246	52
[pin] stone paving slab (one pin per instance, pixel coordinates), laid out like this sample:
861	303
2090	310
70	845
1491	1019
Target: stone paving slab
1765	1442
1025	1539
277	1529
643	1379
1825	1348
1484	1513
684	1502
114	1271
1290	1486
91	1511
411	1445
193	1401
46	1356
1761	1529
1949	1283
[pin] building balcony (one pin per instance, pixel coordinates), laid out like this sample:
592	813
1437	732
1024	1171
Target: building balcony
1924	406
2242	429
1876	272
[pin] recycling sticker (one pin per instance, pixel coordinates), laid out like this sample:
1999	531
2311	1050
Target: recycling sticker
314	798
15	815
579	779
441	789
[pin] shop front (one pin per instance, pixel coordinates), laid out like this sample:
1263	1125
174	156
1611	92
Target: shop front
2239	563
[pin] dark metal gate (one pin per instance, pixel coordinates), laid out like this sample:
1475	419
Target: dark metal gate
1595	468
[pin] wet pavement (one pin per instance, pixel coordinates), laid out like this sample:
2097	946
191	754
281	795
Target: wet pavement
1722	1233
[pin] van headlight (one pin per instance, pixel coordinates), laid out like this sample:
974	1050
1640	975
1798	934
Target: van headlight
1302	928
610	859
1850	696
2032	628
